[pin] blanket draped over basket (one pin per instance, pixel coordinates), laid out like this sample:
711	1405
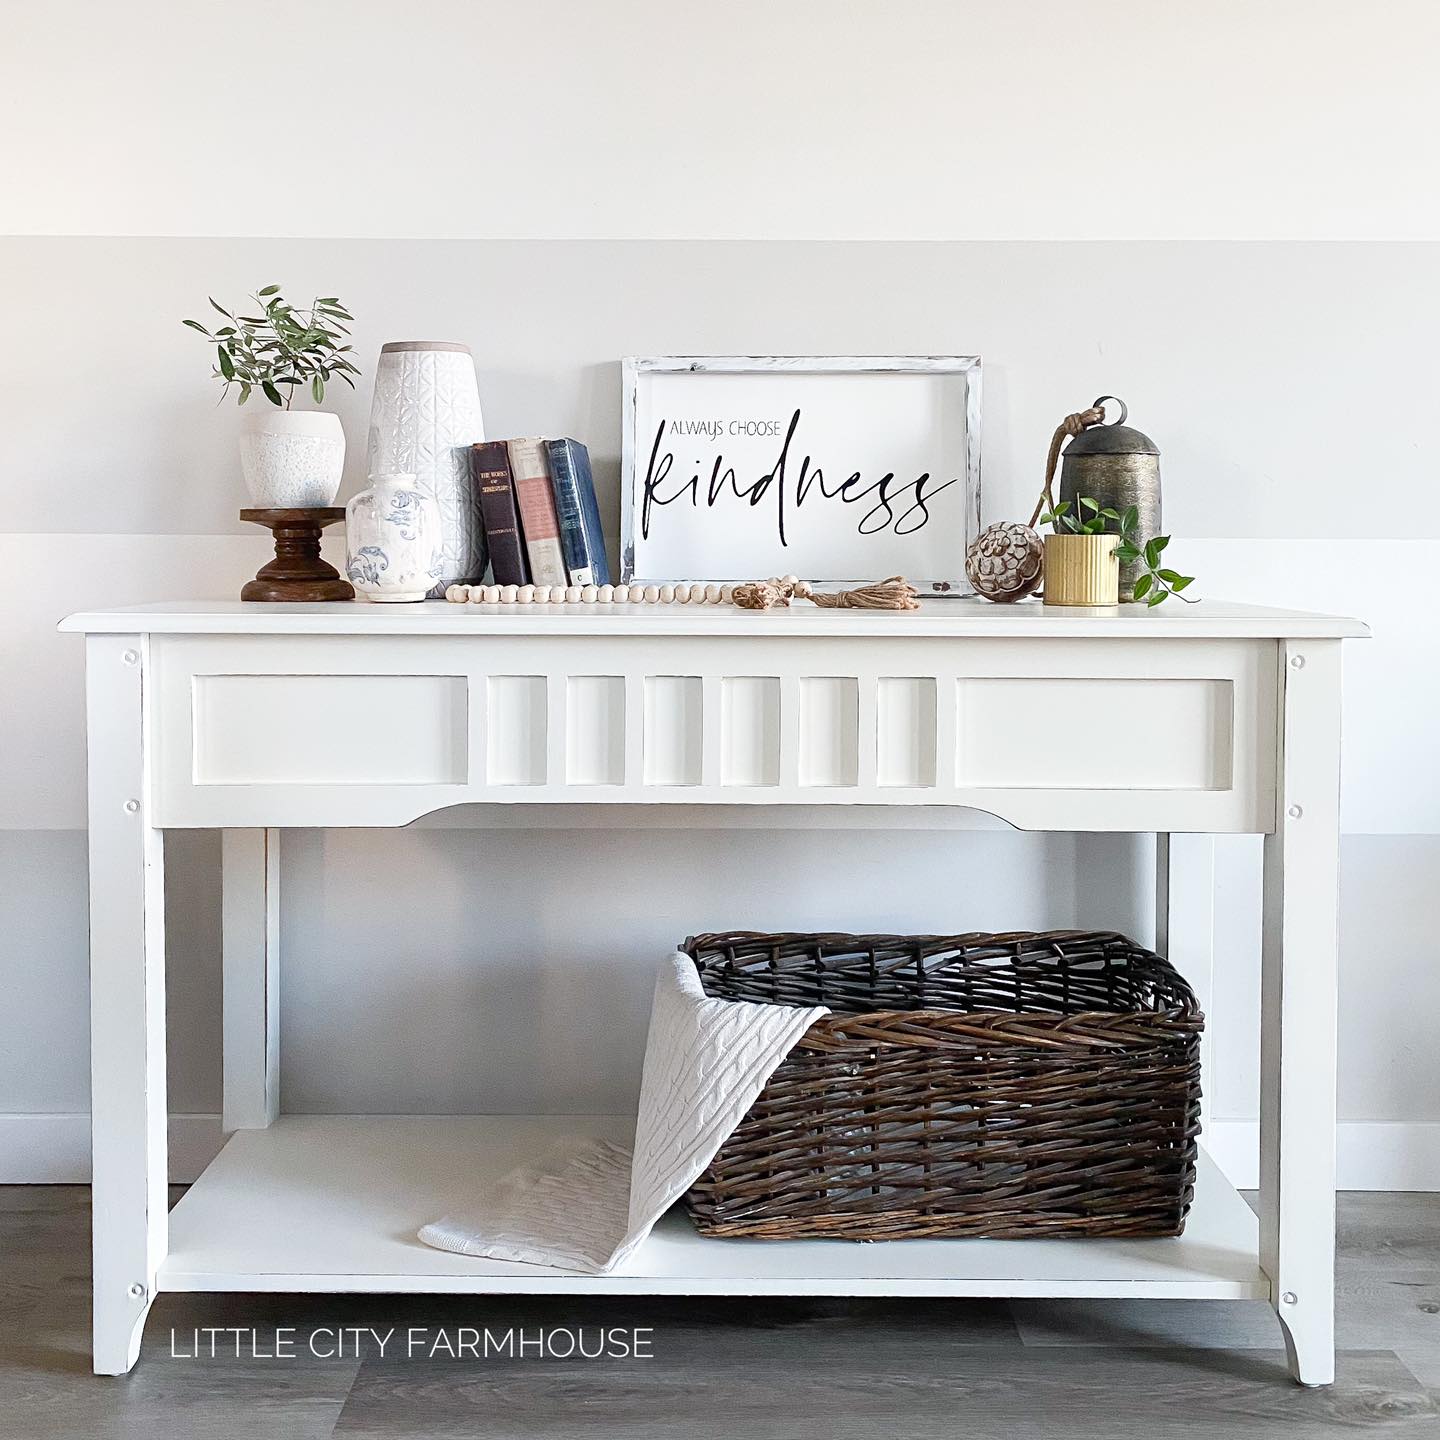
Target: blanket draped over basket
882	1087
588	1204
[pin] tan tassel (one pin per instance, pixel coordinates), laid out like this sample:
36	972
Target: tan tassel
777	592
892	594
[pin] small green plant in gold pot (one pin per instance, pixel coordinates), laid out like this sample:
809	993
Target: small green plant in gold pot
1084	554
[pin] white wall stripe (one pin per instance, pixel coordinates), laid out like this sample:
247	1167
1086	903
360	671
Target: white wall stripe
55	1149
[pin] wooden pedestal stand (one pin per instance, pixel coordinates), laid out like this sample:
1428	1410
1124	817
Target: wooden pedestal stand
297	572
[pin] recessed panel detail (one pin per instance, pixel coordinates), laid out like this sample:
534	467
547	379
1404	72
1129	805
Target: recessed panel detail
1095	734
516	727
829	730
905	731
330	729
595	730
674	729
750	730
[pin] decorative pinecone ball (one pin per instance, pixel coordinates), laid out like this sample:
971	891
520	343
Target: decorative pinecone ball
1004	561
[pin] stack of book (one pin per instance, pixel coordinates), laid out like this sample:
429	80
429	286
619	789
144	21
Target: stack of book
537	499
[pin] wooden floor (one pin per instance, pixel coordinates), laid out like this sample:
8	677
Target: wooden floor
777	1368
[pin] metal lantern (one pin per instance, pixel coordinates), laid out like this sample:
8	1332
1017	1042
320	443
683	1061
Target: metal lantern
1117	466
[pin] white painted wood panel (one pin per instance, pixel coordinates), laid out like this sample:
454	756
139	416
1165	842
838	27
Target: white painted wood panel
829	735
250	945
127	1000
962	617
332	1203
906	742
1298	1010
674	734
749	730
1097	734
517	727
916	718
329	729
594	730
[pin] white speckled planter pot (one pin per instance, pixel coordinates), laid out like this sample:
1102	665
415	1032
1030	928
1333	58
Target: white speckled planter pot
292	459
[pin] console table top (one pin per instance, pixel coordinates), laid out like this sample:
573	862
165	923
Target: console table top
951	618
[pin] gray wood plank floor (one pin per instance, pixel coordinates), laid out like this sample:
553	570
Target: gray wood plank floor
781	1369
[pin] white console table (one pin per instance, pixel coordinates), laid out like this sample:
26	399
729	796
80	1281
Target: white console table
1205	719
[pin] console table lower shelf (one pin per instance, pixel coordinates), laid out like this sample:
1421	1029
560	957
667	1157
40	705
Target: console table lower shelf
332	1203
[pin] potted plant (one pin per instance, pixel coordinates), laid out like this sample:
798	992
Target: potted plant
292	459
1084	554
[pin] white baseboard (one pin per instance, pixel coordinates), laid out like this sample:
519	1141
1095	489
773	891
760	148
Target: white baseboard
1370	1154
55	1149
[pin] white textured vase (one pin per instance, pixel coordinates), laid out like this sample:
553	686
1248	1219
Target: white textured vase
424	418
392	540
292	459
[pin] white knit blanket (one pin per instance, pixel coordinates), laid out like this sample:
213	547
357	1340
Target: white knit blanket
588	1204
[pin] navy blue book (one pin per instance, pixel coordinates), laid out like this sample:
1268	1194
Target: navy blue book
582	541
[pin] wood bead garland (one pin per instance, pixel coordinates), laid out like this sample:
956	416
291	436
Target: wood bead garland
590	594
891	594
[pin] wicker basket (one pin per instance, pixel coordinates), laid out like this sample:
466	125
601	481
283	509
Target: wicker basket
968	1085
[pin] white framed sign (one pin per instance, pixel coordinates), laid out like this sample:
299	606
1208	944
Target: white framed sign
831	468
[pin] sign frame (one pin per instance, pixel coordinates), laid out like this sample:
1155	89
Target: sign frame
642	558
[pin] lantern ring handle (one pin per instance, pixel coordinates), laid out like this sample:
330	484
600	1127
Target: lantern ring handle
1124	410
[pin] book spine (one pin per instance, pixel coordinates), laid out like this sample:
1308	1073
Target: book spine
530	465
589	511
490	474
573	540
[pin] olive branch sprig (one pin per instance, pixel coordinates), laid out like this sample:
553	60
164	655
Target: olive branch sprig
1156	583
282	346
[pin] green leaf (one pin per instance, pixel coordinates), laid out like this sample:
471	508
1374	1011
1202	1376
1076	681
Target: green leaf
219	307
1131	518
1178	585
1152	552
1155	599
196	325
272	394
1111	515
1160	542
269	290
317	389
1169	576
1142	587
227	365
1088	504
1126	553
245	389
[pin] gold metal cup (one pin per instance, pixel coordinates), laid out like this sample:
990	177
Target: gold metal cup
1081	570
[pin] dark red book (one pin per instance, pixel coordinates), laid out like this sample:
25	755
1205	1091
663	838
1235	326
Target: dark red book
495	489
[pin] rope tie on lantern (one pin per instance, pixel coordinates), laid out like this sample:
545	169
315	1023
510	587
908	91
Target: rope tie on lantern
1070	425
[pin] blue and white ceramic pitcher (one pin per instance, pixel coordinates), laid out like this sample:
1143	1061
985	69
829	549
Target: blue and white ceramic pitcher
393	540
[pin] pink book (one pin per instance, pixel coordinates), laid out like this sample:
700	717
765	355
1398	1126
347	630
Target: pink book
530	467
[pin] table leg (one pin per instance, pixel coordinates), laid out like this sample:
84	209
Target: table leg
1297	1047
250	953
1185	934
127	1005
